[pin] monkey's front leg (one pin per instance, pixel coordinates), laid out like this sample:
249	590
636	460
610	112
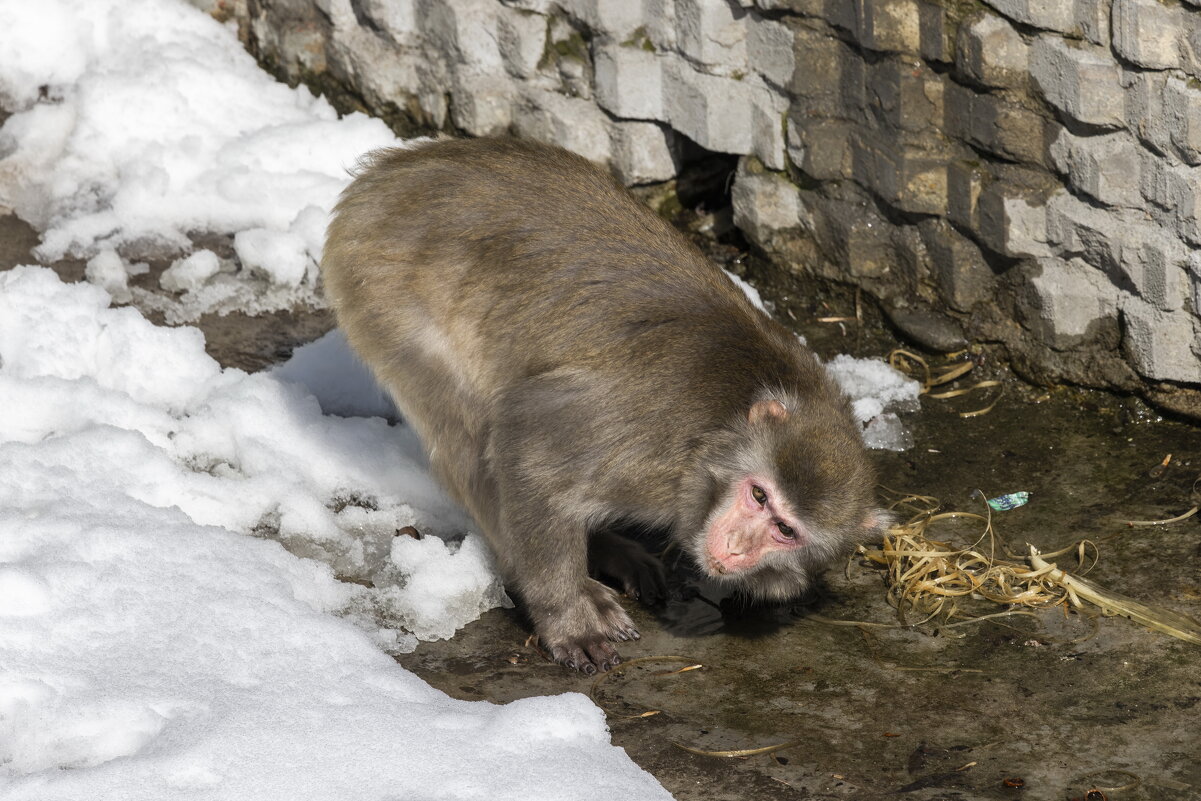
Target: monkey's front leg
575	617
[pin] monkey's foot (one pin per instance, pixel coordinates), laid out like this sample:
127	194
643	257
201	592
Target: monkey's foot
581	638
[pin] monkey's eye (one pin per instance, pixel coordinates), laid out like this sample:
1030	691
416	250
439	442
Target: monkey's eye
786	530
758	494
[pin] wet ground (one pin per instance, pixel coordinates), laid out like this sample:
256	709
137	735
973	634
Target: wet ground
1056	703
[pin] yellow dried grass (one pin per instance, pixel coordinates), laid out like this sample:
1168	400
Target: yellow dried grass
932	580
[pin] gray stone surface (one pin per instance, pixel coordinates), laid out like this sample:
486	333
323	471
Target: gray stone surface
642	152
1082	82
991	51
1106	168
629	81
1016	165
1068	299
1148	33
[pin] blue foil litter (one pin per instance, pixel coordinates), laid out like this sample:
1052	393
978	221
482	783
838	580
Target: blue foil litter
1003	503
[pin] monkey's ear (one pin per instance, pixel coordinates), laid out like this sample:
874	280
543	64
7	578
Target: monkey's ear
768	408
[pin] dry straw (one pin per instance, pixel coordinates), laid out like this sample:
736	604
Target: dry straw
931	581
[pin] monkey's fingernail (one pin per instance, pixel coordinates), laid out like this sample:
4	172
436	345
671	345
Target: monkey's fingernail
588	668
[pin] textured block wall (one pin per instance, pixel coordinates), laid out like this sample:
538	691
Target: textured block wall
1025	172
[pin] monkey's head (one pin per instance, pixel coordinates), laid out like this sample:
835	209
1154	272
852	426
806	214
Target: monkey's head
790	490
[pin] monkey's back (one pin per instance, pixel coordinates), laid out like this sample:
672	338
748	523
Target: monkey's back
460	268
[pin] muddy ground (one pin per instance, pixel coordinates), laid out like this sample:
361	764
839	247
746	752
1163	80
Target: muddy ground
1057	702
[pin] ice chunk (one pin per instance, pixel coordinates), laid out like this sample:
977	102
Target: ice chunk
107	271
280	257
877	392
189	274
887	432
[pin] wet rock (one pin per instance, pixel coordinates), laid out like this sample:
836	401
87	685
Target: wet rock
929	329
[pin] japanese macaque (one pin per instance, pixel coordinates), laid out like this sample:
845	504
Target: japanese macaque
572	362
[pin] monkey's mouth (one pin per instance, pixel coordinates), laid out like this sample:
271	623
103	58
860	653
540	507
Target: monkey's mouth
717	567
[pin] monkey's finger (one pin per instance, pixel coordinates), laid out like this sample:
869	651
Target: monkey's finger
573	657
625	634
603	654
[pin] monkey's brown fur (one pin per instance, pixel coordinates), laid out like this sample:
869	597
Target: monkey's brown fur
571	360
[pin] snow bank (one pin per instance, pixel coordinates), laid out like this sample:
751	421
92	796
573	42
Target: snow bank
152	650
139	122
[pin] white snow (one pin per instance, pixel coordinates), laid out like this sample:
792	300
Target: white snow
152	649
138	122
200	578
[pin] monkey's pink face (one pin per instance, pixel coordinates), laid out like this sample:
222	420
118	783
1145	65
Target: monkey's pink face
755	523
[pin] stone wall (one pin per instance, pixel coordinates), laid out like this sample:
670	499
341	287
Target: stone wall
1024	172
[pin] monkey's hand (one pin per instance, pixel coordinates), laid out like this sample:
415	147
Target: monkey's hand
627	564
580	636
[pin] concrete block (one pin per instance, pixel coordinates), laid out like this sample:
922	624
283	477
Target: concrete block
1148	33
1155	263
396	19
1106	168
713	111
1092	19
936	34
463	29
1182	113
906	94
1087	18
829	77
821	148
381	69
629	81
1082	82
764	203
1010	223
1067	299
482	103
768	108
959	268
659	22
1161	345
616	19
569	122
642	152
844	15
890	25
771	50
434	106
1177	190
965	181
537	6
521	37
909	179
1051	15
713	33
990	51
852	233
1145	113
1075	228
993	123
1194	274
